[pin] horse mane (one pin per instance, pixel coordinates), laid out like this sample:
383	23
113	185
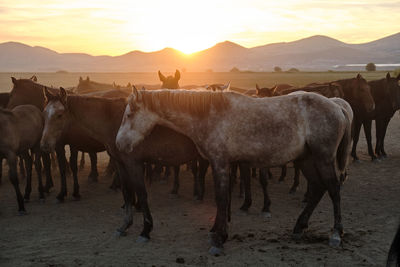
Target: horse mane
194	102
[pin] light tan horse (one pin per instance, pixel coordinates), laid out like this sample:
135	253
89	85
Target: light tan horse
266	132
21	130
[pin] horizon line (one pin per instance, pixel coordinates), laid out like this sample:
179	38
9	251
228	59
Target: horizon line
189	54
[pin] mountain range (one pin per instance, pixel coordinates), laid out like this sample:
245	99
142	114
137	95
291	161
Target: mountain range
313	53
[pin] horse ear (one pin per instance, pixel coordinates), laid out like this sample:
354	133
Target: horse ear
87	78
80	79
14	81
63	95
47	95
136	94
161	76
177	75
34	78
257	89
226	87
143	89
388	75
359	76
398	77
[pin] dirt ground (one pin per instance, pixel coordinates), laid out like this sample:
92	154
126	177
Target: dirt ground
81	233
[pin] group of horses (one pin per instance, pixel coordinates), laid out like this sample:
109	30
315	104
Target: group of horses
311	126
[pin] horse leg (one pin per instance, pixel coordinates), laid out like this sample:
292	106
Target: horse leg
203	166
378	131
62	162
233	172
110	168
167	173
175	188
367	131
264	184
219	232
317	190
245	177
94	174
38	168
22	167
327	172
384	128
283	173
148	171
82	161
128	194
296	179
47	168
1	169
12	163
356	135
135	170
195	172
73	163
253	172
28	164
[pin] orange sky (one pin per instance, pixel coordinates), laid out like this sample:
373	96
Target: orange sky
119	26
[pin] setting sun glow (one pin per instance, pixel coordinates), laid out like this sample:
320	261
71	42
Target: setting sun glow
119	26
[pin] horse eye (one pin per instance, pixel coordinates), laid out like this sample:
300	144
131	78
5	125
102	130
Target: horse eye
59	115
128	115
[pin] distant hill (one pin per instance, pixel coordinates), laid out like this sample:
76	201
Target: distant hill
312	53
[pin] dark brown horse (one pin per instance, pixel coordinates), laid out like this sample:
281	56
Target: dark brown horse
101	117
393	259
87	86
26	91
170	82
21	129
386	94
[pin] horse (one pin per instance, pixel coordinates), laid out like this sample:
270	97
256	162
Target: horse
87	86
386	94
26	91
218	87
170	82
21	129
102	118
307	128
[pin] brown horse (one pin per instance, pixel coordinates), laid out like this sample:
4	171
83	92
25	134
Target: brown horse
386	94
87	86
26	91
101	117
21	129
170	82
308	128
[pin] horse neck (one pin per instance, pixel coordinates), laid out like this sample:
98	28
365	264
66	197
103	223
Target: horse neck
101	117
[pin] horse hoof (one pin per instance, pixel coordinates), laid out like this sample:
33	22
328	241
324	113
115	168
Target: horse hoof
297	236
120	233
215	251
335	240
266	214
22	213
142	240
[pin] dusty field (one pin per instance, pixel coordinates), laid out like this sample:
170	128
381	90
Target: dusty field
82	233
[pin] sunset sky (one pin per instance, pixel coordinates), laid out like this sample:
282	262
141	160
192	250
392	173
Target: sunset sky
118	26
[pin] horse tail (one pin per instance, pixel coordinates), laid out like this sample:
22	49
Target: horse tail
344	148
394	252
